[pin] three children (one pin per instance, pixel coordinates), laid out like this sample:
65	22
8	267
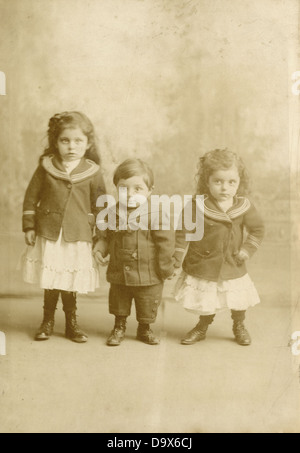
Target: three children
59	223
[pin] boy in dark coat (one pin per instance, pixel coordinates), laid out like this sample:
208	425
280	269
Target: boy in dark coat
141	253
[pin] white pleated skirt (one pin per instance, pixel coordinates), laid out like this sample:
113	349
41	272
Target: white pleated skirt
67	266
204	297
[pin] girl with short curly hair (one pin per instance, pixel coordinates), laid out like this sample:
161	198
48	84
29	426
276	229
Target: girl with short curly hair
214	270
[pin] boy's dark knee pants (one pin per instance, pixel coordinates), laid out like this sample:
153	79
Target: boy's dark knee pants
147	300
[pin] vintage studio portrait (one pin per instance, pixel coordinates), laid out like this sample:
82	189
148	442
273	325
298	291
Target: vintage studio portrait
149	228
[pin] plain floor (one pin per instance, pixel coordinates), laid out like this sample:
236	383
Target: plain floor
211	387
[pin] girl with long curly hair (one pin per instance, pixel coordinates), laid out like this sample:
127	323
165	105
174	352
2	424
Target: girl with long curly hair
59	212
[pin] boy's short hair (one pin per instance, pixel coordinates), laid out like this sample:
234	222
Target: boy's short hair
134	167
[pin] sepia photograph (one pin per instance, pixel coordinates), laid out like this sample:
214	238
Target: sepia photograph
149	218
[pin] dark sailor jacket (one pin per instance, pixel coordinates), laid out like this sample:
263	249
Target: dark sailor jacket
225	233
55	200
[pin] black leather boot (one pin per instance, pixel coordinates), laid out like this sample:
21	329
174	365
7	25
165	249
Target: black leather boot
239	330
73	331
50	302
46	328
199	331
145	334
118	332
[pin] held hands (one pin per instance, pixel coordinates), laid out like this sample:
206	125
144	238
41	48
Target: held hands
174	286
176	272
98	256
241	256
30	237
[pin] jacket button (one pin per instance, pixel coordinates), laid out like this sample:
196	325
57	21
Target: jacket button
127	268
69	186
134	255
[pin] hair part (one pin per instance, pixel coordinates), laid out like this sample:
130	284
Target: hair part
72	119
134	167
220	159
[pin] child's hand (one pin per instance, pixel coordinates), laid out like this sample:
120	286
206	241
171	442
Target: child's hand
99	258
178	283
241	256
100	253
30	237
176	272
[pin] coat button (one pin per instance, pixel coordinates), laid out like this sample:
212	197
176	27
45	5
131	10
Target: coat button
134	255
69	186
127	268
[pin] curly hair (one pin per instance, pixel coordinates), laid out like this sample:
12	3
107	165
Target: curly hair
73	119
220	159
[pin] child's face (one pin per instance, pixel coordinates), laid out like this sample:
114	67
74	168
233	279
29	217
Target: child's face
72	144
134	189
223	184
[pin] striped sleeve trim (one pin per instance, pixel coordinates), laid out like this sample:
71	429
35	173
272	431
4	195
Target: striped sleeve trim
28	212
253	241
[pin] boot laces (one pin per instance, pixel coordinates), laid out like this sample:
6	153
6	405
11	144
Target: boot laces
240	329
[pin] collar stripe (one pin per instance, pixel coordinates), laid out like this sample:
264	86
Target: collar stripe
52	170
229	215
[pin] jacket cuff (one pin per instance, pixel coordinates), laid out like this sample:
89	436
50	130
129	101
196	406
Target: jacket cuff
165	274
245	252
178	257
249	249
28	221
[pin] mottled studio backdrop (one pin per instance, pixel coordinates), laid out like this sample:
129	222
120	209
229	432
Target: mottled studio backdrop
165	80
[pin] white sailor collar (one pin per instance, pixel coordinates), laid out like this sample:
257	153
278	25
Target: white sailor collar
85	169
211	209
